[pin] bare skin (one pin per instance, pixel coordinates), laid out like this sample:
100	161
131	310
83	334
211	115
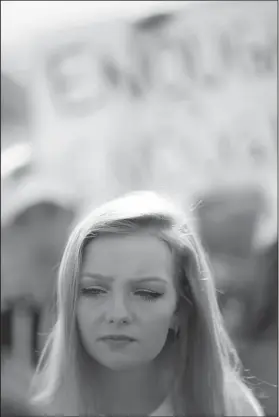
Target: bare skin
127	288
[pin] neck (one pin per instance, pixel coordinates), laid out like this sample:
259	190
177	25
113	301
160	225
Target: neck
137	391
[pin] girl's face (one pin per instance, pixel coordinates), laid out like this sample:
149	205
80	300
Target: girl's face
127	299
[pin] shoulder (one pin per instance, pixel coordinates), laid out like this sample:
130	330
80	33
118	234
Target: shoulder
245	400
250	405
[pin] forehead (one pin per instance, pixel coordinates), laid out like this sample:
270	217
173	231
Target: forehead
128	256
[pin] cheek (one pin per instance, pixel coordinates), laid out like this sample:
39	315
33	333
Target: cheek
87	325
154	332
86	317
158	321
157	318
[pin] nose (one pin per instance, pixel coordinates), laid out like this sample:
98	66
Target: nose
117	311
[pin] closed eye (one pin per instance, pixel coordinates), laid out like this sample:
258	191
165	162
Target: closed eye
93	291
148	295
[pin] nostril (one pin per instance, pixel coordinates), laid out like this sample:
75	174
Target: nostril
118	313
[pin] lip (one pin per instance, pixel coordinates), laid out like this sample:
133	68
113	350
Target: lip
118	338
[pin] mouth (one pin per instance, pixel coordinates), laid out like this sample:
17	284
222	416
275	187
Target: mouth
117	338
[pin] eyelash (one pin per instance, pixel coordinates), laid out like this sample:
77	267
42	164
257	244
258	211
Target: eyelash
147	295
95	292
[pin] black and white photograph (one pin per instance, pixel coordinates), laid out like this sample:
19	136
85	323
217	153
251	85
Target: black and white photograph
139	240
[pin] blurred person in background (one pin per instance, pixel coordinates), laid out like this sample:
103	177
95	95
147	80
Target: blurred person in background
227	221
247	283
136	305
259	353
34	224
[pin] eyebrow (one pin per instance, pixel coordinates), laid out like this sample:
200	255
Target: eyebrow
110	278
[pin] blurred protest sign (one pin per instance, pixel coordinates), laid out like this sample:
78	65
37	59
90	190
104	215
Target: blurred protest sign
200	83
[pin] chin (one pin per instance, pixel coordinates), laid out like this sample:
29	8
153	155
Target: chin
121	364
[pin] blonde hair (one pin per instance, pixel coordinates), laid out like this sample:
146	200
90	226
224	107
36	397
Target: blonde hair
208	369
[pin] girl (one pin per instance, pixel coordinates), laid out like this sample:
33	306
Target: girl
138	329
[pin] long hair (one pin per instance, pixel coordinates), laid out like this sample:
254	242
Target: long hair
207	365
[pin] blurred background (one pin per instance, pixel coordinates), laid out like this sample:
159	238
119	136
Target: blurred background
100	98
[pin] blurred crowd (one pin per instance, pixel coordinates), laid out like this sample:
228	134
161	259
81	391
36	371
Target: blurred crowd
195	122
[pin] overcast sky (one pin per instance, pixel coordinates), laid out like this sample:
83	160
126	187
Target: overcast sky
22	20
